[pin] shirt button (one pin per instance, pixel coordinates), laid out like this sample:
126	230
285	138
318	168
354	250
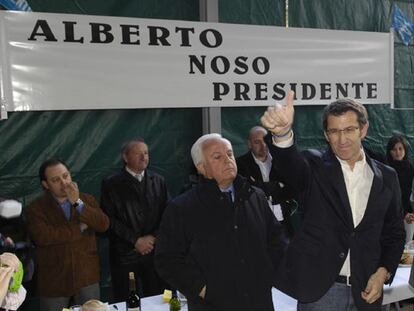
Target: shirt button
341	255
236	227
242	261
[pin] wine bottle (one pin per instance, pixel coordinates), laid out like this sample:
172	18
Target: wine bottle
175	303
133	302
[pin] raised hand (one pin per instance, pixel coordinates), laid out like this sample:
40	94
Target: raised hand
278	119
72	192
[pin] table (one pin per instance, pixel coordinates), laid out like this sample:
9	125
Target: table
120	306
399	290
155	303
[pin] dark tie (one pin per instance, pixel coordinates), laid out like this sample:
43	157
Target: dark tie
229	196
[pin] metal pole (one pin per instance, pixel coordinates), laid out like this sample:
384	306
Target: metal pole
211	117
287	13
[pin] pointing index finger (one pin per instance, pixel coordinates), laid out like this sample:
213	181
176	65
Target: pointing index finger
289	99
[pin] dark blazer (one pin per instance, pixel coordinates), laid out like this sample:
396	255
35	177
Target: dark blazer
67	259
232	248
317	252
247	167
133	212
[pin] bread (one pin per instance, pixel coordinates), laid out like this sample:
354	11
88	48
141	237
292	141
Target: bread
406	259
94	305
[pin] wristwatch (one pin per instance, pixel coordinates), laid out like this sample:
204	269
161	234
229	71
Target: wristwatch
77	203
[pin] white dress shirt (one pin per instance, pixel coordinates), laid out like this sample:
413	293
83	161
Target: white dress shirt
265	167
358	184
140	176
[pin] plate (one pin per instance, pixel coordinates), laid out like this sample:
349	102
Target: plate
404	265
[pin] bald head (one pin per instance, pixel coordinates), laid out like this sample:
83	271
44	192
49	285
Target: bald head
256	143
257	129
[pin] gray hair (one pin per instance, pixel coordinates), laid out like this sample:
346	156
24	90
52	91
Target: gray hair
197	148
126	146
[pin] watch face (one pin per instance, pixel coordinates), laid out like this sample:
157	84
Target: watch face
77	203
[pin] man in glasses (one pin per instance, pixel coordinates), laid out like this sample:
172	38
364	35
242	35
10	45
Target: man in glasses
352	235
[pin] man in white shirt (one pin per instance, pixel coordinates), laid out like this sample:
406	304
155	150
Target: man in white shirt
352	234
258	167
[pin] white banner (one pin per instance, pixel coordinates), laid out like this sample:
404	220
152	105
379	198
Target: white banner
61	61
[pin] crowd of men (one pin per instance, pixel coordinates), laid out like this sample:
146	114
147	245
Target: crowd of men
229	239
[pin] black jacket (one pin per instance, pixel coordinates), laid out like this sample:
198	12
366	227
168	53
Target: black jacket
318	250
247	167
405	172
130	219
283	195
204	239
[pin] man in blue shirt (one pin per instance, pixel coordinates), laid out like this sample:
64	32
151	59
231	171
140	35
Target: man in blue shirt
62	223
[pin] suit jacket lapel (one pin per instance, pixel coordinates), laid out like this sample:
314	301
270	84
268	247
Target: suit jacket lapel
336	182
255	169
54	207
376	188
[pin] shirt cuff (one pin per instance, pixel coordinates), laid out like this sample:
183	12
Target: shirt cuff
284	144
80	207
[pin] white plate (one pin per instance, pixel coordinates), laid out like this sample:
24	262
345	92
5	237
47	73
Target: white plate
404	265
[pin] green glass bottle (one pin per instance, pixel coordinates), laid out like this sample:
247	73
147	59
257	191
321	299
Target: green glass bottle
175	303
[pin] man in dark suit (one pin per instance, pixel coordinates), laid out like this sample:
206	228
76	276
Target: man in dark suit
258	167
134	199
352	235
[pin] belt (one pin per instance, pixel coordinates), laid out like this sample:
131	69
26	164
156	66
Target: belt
344	280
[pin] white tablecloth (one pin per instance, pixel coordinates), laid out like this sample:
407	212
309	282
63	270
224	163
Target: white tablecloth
155	303
120	306
399	290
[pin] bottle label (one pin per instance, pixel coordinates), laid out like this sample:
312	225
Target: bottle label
134	309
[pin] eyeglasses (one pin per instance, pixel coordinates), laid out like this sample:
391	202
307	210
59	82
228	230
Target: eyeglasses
349	131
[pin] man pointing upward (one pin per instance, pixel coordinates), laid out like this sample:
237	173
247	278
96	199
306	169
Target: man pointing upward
352	235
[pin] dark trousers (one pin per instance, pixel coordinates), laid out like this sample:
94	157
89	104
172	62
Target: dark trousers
147	281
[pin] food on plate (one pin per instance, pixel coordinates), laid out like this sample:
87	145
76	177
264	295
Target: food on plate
406	259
